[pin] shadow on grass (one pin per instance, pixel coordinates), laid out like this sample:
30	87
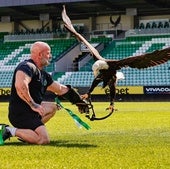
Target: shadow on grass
59	143
68	144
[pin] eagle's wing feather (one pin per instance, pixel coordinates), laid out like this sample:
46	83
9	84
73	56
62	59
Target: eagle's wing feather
143	61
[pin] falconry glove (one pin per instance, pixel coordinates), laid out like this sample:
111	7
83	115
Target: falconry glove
75	98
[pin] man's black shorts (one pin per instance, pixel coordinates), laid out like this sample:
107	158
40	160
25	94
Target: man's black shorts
24	119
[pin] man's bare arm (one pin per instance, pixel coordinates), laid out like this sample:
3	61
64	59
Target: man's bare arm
21	84
58	88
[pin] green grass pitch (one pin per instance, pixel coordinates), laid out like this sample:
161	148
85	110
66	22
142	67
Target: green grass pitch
137	136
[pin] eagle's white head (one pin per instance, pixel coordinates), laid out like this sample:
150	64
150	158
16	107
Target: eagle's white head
101	64
98	65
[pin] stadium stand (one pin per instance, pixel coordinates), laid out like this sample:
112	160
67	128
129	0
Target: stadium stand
14	52
101	39
147	37
11	53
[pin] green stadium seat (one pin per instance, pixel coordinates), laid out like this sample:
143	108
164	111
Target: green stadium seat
11	53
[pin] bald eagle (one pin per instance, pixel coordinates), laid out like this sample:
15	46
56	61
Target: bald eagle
107	68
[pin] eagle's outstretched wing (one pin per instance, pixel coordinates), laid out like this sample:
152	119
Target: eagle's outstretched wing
68	25
141	61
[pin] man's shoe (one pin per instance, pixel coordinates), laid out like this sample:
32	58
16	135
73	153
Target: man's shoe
6	133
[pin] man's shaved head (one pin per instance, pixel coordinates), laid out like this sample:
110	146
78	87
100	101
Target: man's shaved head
41	54
38	47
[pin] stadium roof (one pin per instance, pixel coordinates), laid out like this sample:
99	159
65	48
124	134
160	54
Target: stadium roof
82	9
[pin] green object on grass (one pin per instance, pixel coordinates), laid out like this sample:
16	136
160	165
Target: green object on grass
1	133
77	119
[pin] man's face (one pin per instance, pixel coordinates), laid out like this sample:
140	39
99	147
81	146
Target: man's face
46	57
